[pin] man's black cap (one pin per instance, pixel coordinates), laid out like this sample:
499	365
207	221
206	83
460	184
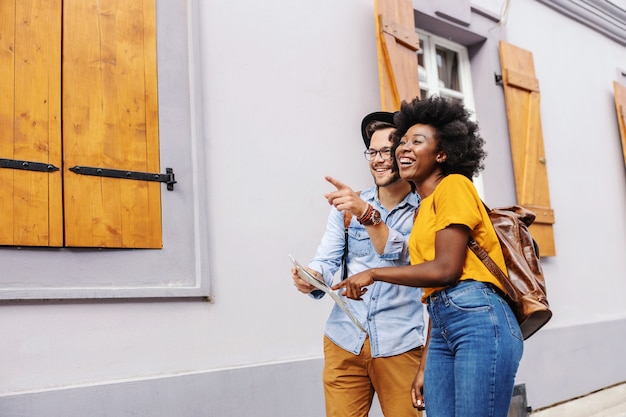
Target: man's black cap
378	116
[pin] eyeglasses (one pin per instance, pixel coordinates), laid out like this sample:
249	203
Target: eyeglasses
385	153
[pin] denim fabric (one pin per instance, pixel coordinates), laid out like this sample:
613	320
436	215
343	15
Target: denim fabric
473	354
392	314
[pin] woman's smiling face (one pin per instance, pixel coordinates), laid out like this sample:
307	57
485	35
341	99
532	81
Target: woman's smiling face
418	155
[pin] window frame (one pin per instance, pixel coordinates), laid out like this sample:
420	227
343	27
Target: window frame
428	45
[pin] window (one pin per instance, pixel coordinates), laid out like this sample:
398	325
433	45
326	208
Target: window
444	69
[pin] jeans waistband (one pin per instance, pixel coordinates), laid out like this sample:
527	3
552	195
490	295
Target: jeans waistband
462	285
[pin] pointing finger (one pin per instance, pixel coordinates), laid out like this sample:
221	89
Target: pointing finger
338	184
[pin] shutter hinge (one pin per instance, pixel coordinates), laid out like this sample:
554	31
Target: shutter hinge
27	165
167	178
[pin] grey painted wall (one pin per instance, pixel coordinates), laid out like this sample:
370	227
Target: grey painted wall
273	95
295	389
290	389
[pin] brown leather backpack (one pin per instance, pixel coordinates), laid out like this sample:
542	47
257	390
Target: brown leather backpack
525	284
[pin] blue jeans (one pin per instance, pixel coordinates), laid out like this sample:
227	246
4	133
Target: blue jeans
474	351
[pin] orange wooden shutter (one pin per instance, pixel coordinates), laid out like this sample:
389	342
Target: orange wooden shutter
30	124
620	106
522	97
397	44
110	120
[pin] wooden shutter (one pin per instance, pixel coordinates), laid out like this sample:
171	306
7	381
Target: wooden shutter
522	97
30	123
397	44
620	106
110	120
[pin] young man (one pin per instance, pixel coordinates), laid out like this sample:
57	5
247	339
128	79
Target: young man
386	357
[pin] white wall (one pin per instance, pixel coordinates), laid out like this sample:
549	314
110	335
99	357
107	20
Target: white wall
284	87
580	349
277	101
576	68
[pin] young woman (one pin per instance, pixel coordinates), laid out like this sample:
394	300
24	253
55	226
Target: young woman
474	344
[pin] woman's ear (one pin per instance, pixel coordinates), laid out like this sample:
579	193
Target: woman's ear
441	157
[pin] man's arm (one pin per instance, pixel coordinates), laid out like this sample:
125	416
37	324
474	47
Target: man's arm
300	284
346	199
379	233
329	253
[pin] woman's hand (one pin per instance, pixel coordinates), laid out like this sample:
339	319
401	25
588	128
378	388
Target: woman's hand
354	287
417	391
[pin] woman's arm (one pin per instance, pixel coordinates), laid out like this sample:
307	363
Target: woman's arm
444	270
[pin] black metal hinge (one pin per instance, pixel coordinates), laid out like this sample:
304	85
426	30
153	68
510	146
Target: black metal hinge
167	178
27	165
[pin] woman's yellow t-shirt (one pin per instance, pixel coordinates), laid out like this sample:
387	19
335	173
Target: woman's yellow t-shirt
455	201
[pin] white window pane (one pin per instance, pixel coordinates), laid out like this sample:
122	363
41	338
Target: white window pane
448	68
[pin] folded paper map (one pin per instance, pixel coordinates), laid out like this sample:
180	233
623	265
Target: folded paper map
321	285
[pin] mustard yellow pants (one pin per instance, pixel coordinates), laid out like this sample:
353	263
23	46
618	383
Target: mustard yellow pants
351	380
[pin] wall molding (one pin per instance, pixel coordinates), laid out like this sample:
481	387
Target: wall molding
279	390
603	16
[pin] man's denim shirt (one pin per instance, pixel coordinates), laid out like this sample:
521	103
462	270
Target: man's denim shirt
392	314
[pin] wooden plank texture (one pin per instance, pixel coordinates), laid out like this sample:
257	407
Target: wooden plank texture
110	121
30	212
397	44
7	119
522	97
620	105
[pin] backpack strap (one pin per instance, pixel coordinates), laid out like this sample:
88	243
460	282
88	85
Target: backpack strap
347	218
485	258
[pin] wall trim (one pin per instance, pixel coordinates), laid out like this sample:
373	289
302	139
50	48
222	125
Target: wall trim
556	357
279	390
600	15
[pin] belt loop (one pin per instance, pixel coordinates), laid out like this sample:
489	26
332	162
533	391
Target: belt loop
433	298
444	296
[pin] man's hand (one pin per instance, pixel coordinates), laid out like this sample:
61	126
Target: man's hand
345	199
300	284
354	287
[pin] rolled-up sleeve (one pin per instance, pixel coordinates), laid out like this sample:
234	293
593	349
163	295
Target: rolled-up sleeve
396	247
329	253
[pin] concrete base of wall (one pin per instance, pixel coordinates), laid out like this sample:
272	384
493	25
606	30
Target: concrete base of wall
609	402
287	390
569	362
558	365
